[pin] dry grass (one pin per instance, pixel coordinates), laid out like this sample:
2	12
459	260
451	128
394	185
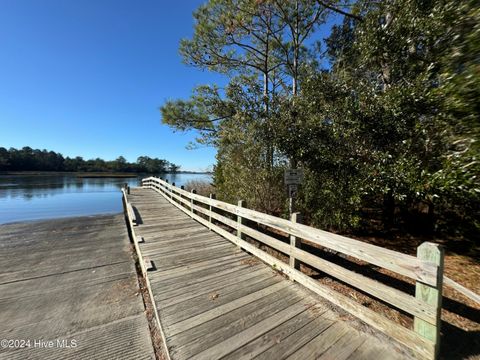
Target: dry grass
202	187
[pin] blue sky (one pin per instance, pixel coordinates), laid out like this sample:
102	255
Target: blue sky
87	77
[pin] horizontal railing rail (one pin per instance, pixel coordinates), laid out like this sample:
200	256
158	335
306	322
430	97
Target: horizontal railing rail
426	269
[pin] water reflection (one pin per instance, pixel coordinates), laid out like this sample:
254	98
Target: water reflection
43	197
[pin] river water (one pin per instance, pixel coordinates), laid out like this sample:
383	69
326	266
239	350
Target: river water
35	197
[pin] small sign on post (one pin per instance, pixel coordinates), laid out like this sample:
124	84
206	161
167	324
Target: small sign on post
293	178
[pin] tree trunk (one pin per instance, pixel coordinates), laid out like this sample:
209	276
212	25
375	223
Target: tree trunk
388	211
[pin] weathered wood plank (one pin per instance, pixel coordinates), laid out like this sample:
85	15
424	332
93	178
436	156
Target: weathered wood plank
175	242
149	227
174	297
191	284
178	260
187	269
271	338
203	303
461	289
186	253
298	339
343	348
225	347
318	345
367	351
194	321
202	337
172	237
184	227
173	267
200	275
184	249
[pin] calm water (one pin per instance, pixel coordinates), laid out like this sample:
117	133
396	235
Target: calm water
53	196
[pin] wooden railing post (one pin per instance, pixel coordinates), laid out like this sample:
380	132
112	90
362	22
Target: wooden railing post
296	217
210	208
181	196
171	191
241	203
432	295
191	201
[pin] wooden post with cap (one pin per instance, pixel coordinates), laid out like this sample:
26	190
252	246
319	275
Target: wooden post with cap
192	202
296	217
432	295
241	203
210	208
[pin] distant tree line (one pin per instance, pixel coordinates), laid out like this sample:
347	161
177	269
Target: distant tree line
28	159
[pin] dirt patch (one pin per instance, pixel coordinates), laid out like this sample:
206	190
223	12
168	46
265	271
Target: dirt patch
250	261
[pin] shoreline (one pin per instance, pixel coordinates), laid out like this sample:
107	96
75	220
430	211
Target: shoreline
92	174
80	174
59	218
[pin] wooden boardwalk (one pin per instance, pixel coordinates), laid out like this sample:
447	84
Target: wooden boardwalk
215	301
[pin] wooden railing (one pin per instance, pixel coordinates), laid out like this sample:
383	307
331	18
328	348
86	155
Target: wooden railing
426	268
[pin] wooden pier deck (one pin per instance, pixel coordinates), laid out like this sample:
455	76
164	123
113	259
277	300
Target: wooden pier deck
216	301
69	290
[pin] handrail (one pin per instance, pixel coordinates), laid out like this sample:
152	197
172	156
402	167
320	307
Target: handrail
461	289
426	269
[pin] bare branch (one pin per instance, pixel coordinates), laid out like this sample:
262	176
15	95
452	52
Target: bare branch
309	26
340	11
